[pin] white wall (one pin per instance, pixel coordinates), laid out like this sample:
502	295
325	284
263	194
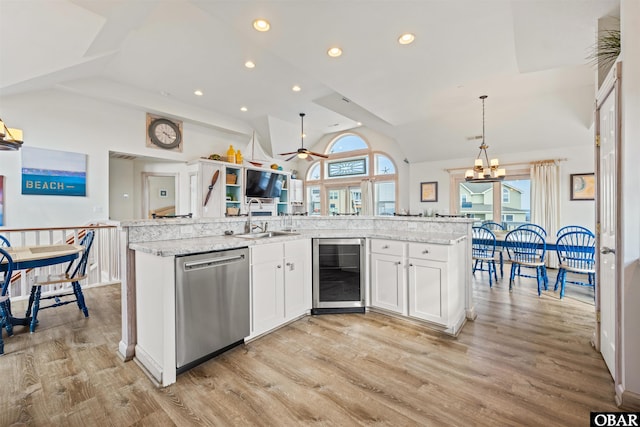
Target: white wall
580	159
64	121
121	189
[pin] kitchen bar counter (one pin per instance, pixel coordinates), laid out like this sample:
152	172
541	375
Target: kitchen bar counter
216	243
165	238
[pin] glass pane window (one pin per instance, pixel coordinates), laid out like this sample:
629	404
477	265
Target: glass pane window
347	168
476	200
516	205
385	198
314	172
313	200
344	200
348	142
384	165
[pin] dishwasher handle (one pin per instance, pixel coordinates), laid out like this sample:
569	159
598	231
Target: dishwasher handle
212	262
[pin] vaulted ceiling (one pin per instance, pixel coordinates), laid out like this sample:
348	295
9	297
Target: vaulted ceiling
529	56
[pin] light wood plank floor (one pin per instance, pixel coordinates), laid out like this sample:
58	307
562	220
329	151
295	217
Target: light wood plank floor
525	361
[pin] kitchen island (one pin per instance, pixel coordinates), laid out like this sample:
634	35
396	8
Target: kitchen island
149	300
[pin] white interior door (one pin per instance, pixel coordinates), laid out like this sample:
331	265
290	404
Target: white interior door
608	214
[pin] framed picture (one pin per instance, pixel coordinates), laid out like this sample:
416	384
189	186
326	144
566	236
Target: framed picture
428	191
583	186
53	172
163	193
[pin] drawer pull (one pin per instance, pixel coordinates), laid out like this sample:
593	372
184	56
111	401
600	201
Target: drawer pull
426	251
399	262
385	247
410	265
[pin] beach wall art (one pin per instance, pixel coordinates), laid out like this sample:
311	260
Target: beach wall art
53	172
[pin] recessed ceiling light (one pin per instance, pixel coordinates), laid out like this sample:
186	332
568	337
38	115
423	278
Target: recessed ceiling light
334	52
243	109
261	25
198	92
359	123
406	38
250	64
296	88
164	93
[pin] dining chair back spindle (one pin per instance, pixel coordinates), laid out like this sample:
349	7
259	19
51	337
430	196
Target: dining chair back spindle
4	296
527	248
494	226
76	271
576	254
534	227
483	250
569	228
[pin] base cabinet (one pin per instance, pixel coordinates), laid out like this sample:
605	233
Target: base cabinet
421	280
280	284
388	276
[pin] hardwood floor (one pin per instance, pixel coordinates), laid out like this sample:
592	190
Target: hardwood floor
525	361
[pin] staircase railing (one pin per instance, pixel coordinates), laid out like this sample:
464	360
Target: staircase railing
104	259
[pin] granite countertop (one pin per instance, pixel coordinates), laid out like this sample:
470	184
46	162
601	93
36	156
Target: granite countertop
216	243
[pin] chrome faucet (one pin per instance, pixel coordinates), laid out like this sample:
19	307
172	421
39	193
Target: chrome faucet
248	227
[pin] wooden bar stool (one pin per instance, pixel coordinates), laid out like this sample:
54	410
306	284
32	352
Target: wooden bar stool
74	274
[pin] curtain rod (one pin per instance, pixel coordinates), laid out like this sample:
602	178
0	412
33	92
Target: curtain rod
533	162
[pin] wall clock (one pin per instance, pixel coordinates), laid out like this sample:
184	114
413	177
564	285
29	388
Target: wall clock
164	133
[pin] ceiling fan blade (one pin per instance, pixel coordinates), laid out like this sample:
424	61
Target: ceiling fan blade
324	156
286	154
286	160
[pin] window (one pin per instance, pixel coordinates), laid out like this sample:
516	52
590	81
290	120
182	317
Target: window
334	184
507	202
506	193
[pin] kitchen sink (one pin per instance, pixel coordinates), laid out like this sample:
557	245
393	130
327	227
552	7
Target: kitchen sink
265	234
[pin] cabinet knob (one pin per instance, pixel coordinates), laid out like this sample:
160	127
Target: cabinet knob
385	247
426	251
288	264
279	266
410	265
398	262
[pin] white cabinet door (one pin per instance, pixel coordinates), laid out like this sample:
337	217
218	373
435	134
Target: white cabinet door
297	278
427	293
297	194
388	283
267	288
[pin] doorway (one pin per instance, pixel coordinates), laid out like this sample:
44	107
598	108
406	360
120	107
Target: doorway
159	194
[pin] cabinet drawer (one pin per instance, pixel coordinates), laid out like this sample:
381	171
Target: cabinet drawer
389	247
429	251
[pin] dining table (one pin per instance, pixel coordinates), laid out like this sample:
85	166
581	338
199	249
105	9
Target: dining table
28	257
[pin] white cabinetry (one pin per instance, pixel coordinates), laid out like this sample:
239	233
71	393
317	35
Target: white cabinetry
388	275
280	283
226	192
421	280
296	192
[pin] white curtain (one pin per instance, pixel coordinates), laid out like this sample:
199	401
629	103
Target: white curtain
545	200
366	189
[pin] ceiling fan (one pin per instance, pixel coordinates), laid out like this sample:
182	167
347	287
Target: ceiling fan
302	152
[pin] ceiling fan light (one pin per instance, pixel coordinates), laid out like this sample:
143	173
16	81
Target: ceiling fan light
302	155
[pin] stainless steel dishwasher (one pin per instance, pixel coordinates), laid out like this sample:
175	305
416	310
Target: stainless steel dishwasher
212	304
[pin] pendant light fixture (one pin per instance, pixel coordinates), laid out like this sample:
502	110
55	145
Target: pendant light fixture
481	172
10	139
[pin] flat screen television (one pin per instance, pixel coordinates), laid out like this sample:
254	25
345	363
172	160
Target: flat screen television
263	184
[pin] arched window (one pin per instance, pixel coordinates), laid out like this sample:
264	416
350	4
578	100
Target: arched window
334	184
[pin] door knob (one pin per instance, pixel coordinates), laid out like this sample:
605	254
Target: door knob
605	250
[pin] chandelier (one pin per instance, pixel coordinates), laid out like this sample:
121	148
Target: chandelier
10	139
481	172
